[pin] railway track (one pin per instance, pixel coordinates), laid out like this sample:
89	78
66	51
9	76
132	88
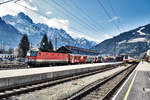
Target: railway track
103	89
25	88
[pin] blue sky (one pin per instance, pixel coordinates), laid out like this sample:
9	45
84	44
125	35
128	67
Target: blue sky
85	18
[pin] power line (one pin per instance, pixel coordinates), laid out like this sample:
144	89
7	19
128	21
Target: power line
77	18
5	2
65	40
41	15
108	15
115	13
67	14
86	16
8	1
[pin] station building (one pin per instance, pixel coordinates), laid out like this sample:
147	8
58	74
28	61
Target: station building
76	50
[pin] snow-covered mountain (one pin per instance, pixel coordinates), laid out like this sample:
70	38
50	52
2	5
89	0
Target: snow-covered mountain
9	35
35	31
132	42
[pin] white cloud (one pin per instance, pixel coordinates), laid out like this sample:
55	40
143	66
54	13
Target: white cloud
13	8
27	5
10	8
49	12
56	23
64	24
113	19
30	0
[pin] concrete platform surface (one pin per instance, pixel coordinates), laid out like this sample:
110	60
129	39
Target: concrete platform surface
10	78
31	71
66	89
137	86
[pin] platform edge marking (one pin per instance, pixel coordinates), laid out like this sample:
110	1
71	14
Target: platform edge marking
123	85
130	86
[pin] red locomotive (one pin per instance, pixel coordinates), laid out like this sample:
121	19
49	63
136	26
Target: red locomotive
38	58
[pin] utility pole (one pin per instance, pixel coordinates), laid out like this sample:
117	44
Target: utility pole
2	47
56	42
114	47
30	45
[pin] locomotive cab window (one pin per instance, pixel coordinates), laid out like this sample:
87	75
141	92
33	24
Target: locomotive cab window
33	53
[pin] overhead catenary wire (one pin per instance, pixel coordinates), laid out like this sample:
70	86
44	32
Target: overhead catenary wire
114	12
85	15
65	40
5	2
36	13
77	18
108	15
66	14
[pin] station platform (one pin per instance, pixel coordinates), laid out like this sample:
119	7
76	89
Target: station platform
10	78
137	86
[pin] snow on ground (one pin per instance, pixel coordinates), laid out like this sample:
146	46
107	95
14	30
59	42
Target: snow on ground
139	31
124	41
137	40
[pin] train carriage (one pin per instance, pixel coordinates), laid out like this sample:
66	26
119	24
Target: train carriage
75	58
38	58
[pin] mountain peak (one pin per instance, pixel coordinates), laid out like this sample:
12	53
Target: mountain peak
2	21
24	17
21	14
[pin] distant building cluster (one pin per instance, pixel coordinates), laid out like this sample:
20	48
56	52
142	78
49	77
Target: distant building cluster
4	48
7	57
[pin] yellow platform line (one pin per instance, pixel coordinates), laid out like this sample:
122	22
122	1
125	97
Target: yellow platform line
130	86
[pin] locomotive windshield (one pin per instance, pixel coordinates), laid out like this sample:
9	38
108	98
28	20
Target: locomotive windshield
32	53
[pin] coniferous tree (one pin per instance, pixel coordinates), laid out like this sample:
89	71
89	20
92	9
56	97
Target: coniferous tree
50	45
44	44
24	46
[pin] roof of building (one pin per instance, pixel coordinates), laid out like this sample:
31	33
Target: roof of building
76	50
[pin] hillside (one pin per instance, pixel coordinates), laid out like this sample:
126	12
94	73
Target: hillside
131	42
